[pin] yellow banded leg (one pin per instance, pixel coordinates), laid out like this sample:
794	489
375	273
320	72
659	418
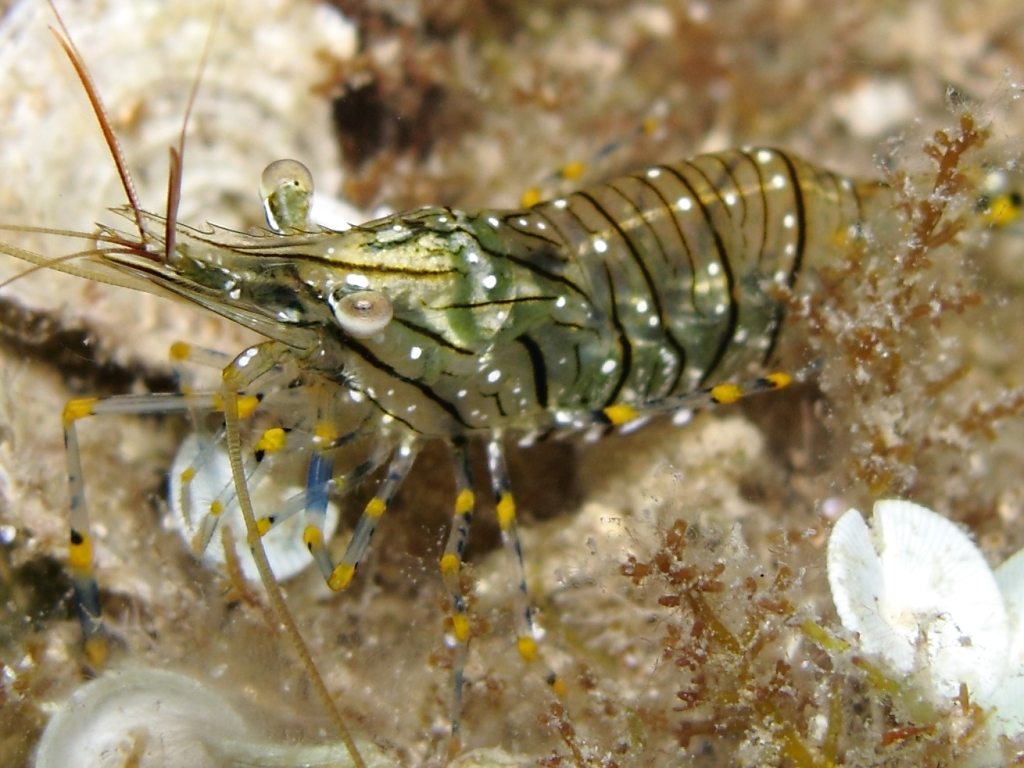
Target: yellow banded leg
572	173
185	477
451	568
255	468
375	508
183	353
625	415
312	533
81	553
313	500
300	501
184	356
526	640
318	480
317	487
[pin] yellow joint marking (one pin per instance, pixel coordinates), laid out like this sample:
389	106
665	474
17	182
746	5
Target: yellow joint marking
246	404
573	171
559	687
80	553
1003	210
216	507
450	564
96	650
506	511
324	434
263	525
840	238
188	474
273	439
78	408
620	414
527	648
649	125
530	198
179	351
778	380
375	507
460	627
465	502
312	537
724	394
341	576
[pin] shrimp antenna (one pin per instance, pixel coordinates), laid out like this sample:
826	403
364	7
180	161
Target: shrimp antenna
102	116
178	153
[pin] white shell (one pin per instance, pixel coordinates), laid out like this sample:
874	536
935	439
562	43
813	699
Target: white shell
921	597
1010	578
160	718
1009	697
284	546
151	718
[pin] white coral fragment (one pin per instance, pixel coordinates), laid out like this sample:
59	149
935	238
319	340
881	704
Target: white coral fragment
153	718
145	717
921	598
1008	699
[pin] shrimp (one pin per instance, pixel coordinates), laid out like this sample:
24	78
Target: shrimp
655	293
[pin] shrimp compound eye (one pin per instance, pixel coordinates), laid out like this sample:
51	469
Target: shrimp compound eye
286	187
362	313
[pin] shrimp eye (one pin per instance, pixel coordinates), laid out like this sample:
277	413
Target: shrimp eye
287	191
362	313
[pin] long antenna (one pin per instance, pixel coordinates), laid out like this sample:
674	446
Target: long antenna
178	153
102	116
